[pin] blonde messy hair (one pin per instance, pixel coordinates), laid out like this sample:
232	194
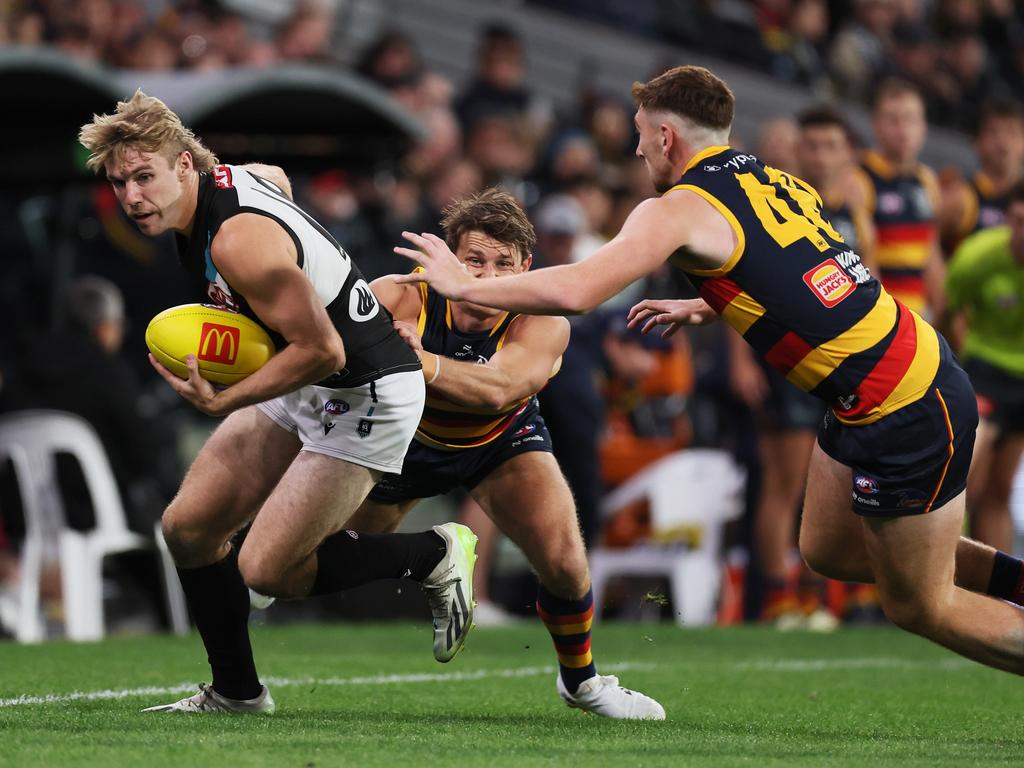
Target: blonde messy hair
146	124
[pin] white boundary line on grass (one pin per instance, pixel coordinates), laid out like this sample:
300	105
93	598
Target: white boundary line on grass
420	677
765	665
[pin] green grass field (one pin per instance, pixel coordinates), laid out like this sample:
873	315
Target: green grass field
364	695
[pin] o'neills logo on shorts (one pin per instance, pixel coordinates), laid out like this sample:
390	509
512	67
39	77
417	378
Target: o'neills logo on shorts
219	343
829	282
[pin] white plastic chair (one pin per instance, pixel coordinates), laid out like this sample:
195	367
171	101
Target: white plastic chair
31	439
692	495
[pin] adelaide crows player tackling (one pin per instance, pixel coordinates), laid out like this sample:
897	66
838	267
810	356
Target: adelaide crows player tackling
482	430
885	494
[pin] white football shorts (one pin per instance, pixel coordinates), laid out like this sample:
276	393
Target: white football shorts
371	425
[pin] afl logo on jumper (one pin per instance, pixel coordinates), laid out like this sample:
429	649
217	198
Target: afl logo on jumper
362	304
829	282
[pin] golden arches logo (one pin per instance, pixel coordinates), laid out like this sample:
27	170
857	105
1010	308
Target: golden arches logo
219	343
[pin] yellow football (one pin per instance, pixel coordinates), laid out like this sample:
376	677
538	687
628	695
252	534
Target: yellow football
228	346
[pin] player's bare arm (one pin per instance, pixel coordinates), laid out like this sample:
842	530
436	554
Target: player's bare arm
403	301
521	368
272	173
257	257
654	230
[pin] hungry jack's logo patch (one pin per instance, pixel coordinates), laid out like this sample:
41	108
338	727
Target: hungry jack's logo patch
829	282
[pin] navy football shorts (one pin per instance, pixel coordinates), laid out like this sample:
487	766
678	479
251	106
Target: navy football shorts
913	460
431	472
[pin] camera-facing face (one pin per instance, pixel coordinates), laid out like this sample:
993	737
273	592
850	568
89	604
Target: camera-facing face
150	187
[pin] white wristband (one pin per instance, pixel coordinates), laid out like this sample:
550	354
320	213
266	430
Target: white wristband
437	369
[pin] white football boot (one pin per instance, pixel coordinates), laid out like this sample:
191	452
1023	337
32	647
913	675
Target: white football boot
603	695
208	700
449	590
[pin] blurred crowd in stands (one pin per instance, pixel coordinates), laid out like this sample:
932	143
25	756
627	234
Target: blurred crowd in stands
622	400
960	53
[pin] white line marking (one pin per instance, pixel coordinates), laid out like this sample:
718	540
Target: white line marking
284	682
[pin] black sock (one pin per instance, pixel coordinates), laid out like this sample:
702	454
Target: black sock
219	602
1007	580
347	559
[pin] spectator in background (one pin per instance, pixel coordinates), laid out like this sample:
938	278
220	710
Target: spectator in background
391	61
503	148
331	200
858	53
974	82
915	58
797	55
902	196
776	143
80	370
498	87
979	202
305	36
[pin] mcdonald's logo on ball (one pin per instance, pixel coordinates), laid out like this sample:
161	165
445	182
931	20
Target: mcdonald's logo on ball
227	345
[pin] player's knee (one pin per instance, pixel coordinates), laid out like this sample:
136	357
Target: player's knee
910	612
819	557
260	574
188	543
566	574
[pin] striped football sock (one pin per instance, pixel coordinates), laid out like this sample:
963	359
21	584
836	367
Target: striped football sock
569	623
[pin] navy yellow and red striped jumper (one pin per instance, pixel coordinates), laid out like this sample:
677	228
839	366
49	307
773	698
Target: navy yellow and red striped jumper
445	424
903	207
801	298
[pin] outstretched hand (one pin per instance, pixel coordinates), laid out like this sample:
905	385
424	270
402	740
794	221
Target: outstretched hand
674	313
441	268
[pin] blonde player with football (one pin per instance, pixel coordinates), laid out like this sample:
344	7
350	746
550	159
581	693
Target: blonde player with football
308	434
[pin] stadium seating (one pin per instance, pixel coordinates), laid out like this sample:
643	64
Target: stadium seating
31	439
692	494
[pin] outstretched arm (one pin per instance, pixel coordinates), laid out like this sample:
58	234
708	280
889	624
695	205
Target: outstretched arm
652	232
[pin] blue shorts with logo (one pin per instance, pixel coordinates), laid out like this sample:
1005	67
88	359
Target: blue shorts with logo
913	460
431	472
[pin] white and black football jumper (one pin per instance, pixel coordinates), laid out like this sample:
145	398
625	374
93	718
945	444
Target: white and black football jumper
365	413
372	347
